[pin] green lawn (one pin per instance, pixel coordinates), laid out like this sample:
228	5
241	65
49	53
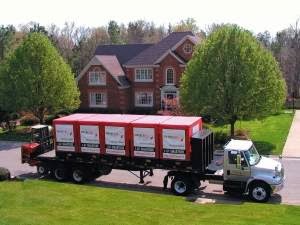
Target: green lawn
44	202
19	134
269	134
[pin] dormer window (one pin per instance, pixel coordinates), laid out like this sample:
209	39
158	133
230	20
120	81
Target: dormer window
170	76
97	78
187	48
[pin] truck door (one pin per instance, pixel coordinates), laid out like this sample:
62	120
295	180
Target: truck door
235	171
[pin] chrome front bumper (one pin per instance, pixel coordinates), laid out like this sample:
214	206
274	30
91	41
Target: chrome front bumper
278	187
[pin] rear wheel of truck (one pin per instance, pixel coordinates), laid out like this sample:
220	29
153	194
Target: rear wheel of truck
181	185
259	192
42	169
59	173
78	176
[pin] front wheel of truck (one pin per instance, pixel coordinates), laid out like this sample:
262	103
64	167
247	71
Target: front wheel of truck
181	185
259	192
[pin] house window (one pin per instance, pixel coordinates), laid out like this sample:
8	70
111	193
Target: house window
187	48
169	76
144	75
98	99
97	78
144	99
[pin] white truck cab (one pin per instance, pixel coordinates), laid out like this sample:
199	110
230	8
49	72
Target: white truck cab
245	171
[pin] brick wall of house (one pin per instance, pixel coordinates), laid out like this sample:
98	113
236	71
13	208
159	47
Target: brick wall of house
159	76
115	103
181	52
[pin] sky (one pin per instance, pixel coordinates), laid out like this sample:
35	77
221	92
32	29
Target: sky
254	15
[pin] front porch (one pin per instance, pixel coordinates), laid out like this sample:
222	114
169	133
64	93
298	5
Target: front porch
169	98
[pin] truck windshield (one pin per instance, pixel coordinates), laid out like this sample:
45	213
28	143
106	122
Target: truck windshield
252	156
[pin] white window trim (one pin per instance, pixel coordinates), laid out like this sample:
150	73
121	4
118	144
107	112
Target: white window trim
97	106
173	76
184	50
101	73
144	80
142	105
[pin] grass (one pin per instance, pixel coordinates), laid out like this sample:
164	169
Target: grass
45	202
269	134
19	134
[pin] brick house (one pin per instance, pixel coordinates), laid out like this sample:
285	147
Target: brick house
135	77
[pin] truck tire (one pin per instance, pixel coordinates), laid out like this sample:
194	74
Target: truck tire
59	173
78	176
42	169
259	192
181	185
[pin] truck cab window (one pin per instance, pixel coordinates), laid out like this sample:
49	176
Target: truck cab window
232	157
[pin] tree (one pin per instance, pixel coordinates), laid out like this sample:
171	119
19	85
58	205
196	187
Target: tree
6	38
114	32
187	25
35	78
232	76
265	39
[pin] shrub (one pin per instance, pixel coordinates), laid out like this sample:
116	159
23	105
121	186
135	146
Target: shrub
4	174
14	116
29	120
241	134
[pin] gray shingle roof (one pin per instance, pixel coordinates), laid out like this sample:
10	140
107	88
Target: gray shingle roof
122	52
151	54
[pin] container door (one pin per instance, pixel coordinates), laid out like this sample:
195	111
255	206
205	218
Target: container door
144	142
173	144
64	137
89	139
115	140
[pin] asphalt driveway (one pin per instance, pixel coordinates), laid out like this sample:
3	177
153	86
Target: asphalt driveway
10	158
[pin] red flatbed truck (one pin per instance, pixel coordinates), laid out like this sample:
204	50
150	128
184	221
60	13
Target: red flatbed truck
86	146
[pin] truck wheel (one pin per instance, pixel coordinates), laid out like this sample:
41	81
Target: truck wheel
42	170
181	185
259	192
78	176
59	173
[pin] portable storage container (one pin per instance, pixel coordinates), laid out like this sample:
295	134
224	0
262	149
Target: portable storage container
145	136
66	134
89	129
116	136
176	134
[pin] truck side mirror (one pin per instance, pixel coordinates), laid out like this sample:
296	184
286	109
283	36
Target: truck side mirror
238	161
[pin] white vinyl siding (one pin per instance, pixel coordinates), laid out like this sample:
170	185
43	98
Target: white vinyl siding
143	75
98	100
144	99
97	78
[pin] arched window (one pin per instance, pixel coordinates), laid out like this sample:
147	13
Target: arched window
170	76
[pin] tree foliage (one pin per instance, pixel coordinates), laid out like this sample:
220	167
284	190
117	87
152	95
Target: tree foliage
232	76
35	78
6	37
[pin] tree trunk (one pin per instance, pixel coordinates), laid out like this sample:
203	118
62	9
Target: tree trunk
232	128
40	114
232	122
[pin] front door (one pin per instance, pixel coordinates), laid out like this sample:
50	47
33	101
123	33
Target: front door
169	100
232	171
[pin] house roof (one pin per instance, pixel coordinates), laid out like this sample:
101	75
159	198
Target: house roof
154	52
111	64
122	52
